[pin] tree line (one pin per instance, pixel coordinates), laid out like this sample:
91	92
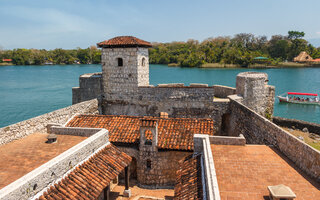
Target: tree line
240	49
90	55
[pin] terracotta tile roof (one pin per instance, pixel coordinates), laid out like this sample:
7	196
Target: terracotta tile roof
173	133
124	41
148	122
244	172
89	179
189	182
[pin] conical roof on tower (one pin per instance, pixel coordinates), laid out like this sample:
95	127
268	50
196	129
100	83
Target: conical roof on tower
124	41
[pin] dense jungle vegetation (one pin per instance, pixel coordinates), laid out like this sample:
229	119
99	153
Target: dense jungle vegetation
90	55
240	50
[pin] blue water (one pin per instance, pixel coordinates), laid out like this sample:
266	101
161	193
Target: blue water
29	91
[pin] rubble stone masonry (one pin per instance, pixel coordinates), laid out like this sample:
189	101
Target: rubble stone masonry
38	124
259	130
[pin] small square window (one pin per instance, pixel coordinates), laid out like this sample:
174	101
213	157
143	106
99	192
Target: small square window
120	62
148	164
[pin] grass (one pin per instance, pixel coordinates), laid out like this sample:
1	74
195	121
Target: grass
5	64
218	65
306	136
173	65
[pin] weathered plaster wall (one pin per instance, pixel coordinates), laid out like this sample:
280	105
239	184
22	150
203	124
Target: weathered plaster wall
259	130
38	124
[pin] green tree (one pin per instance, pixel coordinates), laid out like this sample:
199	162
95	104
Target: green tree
292	35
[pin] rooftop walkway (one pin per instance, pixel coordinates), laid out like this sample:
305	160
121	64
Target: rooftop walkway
244	172
24	155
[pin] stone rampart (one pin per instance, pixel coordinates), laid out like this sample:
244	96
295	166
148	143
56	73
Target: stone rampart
90	87
227	140
223	91
256	93
297	124
34	182
76	131
202	145
38	124
178	101
259	130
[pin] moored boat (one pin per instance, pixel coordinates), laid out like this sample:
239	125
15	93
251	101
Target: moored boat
300	98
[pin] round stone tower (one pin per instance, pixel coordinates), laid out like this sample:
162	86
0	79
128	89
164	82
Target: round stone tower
256	93
125	66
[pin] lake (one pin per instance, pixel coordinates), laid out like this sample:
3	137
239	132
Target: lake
29	91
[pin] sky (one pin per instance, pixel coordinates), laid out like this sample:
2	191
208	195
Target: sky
68	24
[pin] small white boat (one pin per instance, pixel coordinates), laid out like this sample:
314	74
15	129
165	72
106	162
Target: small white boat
300	98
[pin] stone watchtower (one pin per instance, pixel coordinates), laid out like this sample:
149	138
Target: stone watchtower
125	66
256	93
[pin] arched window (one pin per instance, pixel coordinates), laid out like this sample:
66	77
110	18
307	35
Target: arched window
143	62
148	164
120	62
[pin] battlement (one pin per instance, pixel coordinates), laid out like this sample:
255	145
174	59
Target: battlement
123	88
178	85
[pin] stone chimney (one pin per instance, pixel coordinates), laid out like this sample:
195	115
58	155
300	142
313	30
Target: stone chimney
163	114
147	126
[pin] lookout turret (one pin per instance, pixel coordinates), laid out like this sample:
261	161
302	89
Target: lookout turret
256	93
125	65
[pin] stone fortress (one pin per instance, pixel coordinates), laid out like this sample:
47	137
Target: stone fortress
123	88
154	128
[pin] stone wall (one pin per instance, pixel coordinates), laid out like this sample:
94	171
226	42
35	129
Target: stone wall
124	79
38	124
223	91
90	87
163	166
259	130
202	145
195	101
162	173
227	140
34	182
297	124
256	93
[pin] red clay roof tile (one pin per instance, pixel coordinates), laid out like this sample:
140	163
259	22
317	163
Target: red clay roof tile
189	180
173	133
88	180
124	41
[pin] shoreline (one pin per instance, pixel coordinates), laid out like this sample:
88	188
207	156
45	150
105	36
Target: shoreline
253	66
212	65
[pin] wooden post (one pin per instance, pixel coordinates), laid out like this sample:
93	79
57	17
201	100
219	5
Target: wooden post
126	177
107	193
